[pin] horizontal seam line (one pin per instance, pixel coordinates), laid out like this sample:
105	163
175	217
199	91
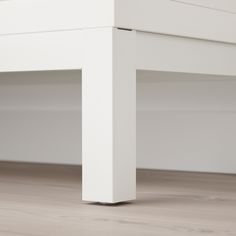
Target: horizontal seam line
55	31
206	7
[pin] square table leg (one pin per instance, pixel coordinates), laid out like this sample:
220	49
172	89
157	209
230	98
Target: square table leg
109	115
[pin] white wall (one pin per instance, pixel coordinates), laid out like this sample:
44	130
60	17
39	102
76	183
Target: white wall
187	123
184	122
40	116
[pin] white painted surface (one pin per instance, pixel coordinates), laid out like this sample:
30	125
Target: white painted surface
109	116
185	18
176	18
64	50
36	36
177	54
41	51
22	16
183	122
217	5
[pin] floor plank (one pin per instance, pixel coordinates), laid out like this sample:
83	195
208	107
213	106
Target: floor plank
45	200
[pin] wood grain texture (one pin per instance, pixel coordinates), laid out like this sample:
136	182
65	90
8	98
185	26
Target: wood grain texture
44	200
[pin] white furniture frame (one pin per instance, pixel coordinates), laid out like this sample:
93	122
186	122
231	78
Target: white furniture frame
109	40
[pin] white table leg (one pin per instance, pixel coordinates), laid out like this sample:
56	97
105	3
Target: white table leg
109	115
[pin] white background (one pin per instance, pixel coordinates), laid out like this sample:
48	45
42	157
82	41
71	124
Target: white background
184	122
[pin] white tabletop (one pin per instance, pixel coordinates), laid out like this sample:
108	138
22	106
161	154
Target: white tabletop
211	20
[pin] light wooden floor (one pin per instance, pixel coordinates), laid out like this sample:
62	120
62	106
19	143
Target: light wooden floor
43	200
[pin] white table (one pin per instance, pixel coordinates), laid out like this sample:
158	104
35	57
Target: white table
109	40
